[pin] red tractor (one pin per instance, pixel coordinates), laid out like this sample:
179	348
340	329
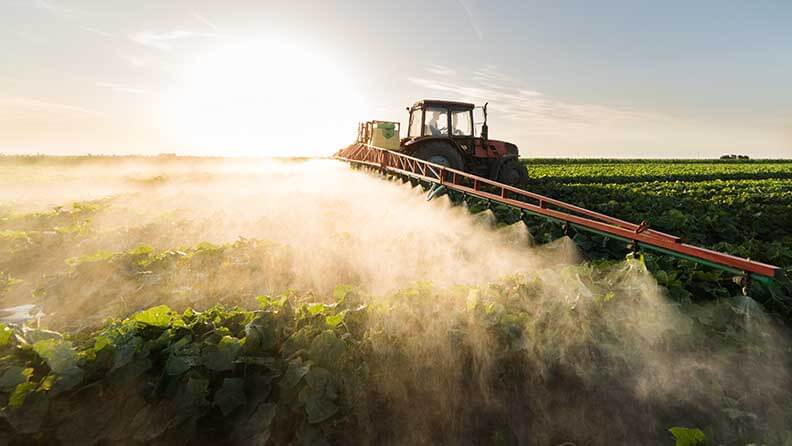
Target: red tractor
443	132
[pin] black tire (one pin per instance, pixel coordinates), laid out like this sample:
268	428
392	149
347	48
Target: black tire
440	153
513	173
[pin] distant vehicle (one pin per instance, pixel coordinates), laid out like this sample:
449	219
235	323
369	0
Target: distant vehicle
735	157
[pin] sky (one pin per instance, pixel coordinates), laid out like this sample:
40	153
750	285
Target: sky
277	78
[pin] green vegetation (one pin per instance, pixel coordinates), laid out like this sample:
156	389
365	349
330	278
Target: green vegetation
148	335
742	208
294	370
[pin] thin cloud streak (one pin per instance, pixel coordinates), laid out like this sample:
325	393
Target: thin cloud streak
536	112
205	21
165	41
441	70
53	8
469	14
98	32
121	87
10	107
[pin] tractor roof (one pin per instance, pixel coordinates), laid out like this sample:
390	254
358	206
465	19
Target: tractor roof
441	103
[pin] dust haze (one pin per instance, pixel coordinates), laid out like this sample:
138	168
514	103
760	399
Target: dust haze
604	357
332	225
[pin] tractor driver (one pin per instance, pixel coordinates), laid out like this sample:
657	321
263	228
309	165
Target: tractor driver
431	126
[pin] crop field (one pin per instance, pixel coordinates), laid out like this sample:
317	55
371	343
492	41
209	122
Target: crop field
273	302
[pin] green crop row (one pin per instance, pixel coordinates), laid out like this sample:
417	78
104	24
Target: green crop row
645	161
509	363
642	172
709	213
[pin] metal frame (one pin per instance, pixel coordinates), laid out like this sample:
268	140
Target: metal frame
640	235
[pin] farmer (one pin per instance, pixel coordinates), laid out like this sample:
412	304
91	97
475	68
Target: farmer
432	126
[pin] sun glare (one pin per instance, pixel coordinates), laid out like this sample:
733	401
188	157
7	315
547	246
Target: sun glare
263	98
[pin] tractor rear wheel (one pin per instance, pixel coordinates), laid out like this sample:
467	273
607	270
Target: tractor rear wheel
513	173
440	153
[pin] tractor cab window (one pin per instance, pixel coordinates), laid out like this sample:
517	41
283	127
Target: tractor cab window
415	123
478	120
461	124
436	122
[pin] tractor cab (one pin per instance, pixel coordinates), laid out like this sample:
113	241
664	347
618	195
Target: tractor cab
441	118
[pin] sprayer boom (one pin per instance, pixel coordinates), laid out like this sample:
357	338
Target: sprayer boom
638	235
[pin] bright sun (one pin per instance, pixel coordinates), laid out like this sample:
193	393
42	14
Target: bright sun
263	98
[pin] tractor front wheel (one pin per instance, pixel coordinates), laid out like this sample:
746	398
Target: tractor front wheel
440	153
513	173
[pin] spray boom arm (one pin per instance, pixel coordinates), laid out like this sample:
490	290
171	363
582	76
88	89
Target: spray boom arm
638	235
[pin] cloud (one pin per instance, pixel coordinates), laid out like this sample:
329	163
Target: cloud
205	21
165	41
536	112
441	70
133	61
10	106
120	87
469	14
490	73
53	7
98	32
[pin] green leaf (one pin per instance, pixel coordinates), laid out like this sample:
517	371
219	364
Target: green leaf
159	316
257	429
130	371
67	381
326	349
334	320
263	332
263	301
341	291
14	376
265	361
17	398
230	395
153	420
100	342
125	351
220	357
176	365
315	309
688	436
5	335
296	371
317	408
58	355
62	361
192	395
319	395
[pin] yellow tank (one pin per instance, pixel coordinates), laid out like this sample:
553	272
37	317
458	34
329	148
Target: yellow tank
384	134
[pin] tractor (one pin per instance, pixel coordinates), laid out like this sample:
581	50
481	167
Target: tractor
444	132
